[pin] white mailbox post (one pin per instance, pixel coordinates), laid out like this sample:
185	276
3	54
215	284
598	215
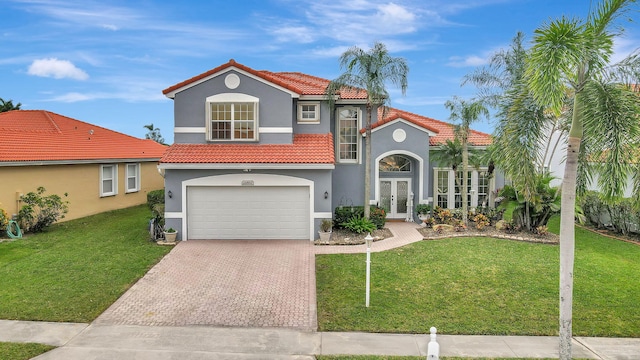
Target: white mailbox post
369	240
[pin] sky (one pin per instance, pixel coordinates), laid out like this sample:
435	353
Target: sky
106	62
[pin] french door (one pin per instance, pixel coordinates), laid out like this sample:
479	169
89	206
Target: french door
394	196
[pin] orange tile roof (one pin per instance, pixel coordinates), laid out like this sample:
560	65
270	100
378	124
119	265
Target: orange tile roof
304	84
305	149
39	135
299	83
443	129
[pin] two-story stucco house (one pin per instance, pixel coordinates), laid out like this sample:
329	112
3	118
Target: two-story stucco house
260	155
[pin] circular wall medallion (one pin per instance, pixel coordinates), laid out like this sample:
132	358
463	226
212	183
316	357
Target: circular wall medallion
232	81
399	135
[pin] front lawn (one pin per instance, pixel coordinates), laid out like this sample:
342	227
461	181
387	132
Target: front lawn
20	351
482	286
375	357
73	272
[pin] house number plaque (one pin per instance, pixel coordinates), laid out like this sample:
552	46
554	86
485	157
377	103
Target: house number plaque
247	183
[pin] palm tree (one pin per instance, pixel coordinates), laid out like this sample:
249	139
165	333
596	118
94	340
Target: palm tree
576	54
154	134
368	71
8	105
466	113
520	128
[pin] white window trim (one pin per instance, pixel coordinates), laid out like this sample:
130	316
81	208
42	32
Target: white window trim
232	98
136	176
316	119
451	194
359	138
114	180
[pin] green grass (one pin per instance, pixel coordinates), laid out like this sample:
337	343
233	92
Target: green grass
73	272
20	351
375	357
482	286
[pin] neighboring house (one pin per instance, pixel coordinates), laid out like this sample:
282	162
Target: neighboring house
259	155
555	164
99	169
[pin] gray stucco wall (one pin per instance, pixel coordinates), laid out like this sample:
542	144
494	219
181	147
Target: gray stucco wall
275	108
348	179
322	128
416	143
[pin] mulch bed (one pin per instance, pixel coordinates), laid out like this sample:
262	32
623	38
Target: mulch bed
345	237
490	231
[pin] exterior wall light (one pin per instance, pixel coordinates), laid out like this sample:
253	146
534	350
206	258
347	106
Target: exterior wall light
326	194
170	194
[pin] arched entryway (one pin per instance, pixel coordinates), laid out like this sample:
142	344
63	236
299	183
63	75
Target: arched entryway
395	183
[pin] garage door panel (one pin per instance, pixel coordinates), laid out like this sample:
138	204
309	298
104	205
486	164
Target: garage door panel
248	212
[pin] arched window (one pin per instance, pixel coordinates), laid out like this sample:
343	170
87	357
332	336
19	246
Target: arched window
395	163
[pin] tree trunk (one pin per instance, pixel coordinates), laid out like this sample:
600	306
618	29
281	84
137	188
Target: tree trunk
465	175
567	246
367	164
567	228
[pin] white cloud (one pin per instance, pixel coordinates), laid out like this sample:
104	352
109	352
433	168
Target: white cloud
110	27
58	69
623	47
469	61
298	34
73	97
393	15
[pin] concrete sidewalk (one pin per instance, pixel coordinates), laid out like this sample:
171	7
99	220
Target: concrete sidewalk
87	342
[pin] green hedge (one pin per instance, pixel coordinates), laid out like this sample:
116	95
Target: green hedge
155	197
343	214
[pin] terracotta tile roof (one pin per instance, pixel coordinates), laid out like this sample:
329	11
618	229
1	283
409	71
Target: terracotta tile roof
305	149
304	84
39	135
443	129
299	83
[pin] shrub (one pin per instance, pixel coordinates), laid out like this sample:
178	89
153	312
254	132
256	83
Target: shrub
459	226
39	211
4	219
529	214
155	197
443	216
481	221
359	225
344	214
429	222
423	209
542	230
378	216
620	216
510	227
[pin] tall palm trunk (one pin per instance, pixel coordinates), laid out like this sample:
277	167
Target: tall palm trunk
567	230
465	175
367	163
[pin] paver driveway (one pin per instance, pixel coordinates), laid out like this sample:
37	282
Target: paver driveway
267	283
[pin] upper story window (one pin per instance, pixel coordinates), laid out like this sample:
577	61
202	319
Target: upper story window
108	180
133	177
395	163
232	117
348	133
309	112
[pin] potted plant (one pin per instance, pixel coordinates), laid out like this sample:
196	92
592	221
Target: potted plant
325	230
423	211
170	235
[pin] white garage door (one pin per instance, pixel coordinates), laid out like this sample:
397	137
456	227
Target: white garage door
248	212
